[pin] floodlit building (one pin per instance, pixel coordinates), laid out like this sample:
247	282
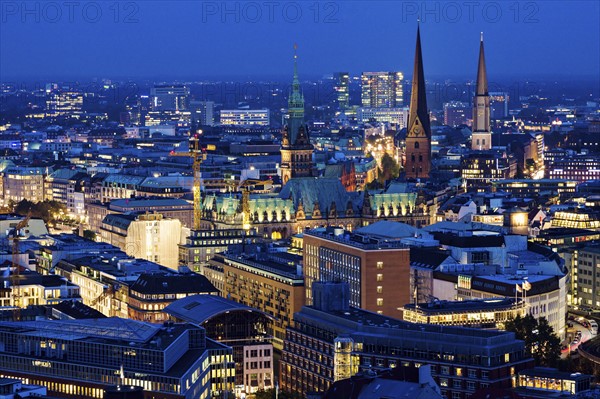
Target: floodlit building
81	358
271	282
480	313
146	236
236	325
331	341
377	268
381	89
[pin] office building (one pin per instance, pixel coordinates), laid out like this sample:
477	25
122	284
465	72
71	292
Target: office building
580	168
151	293
382	90
201	245
539	187
270	282
332	341
499	104
245	117
64	103
586	283
236	325
22	182
13	388
376	268
69	187
480	168
34	289
544	382
476	313
172	208
342	90
457	113
481	139
418	136
202	112
82	358
169	98
147	236
474	261
393	116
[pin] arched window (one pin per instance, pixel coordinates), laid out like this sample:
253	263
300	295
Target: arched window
416	144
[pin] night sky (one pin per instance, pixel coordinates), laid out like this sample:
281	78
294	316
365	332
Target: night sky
210	39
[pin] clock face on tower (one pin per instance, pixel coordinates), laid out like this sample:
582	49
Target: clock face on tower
417	131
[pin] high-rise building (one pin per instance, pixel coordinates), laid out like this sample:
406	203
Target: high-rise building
376	268
169	98
342	89
482	132
381	89
296	149
418	137
203	112
245	117
457	113
499	104
395	116
331	341
64	103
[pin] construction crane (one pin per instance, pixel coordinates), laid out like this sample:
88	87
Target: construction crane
245	188
198	154
15	277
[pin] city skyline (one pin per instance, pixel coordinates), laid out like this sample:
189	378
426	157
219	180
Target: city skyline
120	42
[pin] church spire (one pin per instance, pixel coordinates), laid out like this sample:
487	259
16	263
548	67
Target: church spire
482	83
418	99
418	134
481	138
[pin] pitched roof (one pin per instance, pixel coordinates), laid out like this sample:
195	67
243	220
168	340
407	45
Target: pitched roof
325	191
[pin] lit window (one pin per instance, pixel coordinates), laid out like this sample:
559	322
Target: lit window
380	277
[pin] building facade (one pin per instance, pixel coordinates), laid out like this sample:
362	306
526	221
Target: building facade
377	270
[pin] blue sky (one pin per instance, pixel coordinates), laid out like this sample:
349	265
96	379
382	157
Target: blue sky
206	39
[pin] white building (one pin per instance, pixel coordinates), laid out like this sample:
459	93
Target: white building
245	117
472	261
396	116
146	236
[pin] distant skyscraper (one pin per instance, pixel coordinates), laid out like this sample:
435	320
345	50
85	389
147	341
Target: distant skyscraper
64	103
169	98
457	113
499	105
482	132
342	89
418	136
203	112
245	117
296	149
381	89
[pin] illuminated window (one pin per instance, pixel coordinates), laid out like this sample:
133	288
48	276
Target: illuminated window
379	265
380	277
379	301
379	289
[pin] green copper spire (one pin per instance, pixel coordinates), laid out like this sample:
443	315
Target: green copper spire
295	103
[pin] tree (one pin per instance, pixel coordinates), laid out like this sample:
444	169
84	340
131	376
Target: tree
389	168
46	210
540	340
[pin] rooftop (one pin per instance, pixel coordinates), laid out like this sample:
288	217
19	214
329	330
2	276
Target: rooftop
198	309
